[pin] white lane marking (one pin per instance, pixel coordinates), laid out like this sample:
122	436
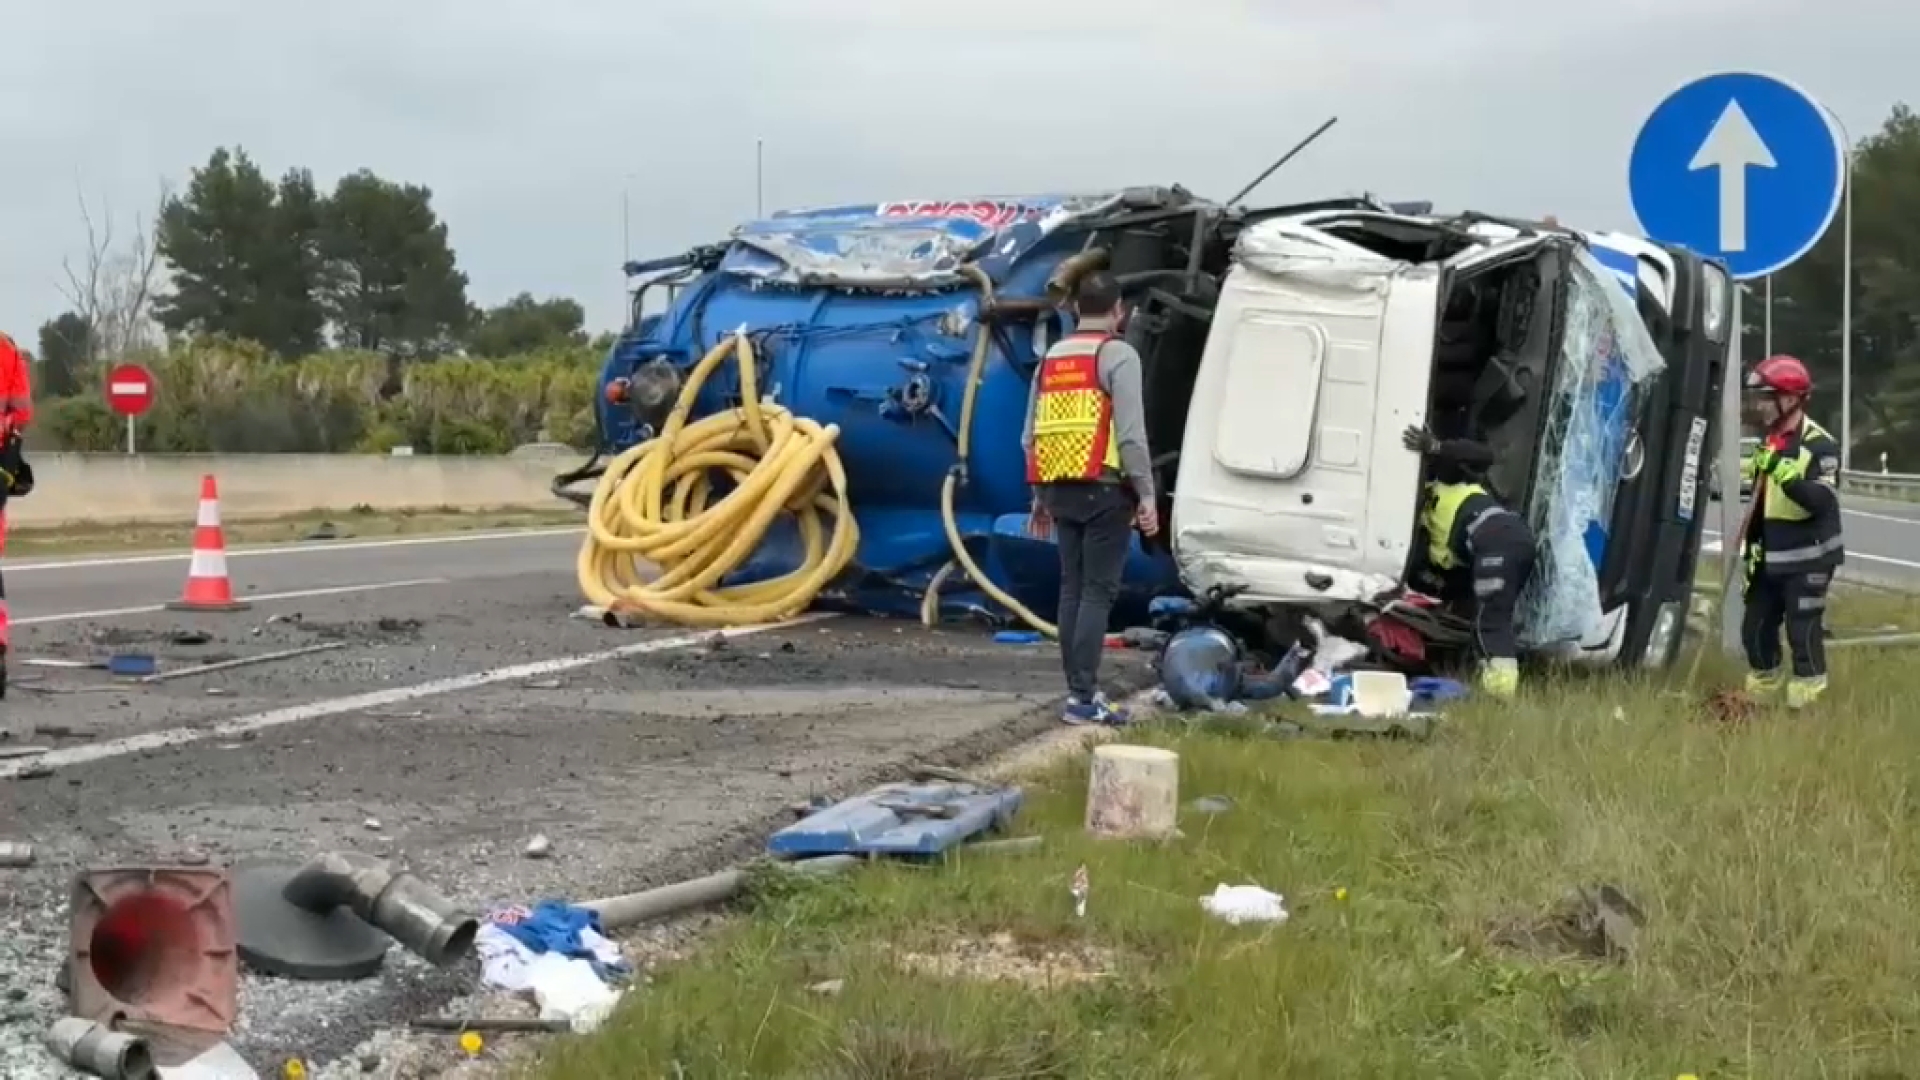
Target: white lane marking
302	548
1712	547
317	710
1896	519
297	594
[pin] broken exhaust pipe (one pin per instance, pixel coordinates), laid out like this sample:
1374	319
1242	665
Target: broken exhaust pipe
99	1051
400	904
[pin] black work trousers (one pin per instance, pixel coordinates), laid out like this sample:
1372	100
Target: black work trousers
1093	524
1797	602
1502	552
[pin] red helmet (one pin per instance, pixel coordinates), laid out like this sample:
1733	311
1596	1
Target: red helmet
1781	374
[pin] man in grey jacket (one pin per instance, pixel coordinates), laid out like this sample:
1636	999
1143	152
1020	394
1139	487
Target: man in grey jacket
1092	477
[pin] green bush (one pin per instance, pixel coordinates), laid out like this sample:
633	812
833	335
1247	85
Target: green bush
224	396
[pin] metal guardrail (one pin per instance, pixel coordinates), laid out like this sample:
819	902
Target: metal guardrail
1884	484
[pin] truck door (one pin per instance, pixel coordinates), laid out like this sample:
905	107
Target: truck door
1292	485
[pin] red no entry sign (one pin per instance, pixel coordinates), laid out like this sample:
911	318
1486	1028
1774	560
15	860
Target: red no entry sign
129	390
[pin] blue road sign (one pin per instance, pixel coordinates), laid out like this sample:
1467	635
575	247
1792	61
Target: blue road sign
1745	168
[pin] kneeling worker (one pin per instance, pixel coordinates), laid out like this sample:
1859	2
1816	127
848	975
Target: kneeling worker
1467	527
1793	543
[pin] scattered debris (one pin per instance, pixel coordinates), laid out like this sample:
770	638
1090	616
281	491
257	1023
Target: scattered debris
618	912
1211	804
323	531
190	637
152	946
131	665
372	824
1080	889
557	953
539	847
1239	904
542	684
22	751
829	988
99	1051
1594	923
15	854
244	661
919	819
1133	792
331	918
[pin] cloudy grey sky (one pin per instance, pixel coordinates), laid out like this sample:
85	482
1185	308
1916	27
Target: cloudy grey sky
530	118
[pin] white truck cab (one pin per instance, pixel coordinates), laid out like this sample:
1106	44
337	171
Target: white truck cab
1336	329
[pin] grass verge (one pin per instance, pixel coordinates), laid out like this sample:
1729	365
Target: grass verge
89	537
1775	861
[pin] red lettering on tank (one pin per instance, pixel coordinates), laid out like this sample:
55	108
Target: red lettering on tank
993	215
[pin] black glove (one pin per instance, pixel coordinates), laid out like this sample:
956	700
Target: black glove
16	476
1419	440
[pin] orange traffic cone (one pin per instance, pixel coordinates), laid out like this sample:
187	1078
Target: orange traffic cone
208	588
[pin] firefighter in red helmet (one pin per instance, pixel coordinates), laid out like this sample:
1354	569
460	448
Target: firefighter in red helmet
1792	544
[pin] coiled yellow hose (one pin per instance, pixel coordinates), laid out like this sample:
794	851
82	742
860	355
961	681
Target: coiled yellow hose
650	510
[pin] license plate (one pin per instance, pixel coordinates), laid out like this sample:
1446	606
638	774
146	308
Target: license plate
1690	468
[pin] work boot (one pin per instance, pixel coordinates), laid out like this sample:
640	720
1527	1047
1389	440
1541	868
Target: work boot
1500	677
1804	692
1763	683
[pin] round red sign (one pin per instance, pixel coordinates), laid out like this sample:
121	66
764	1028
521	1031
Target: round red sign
129	390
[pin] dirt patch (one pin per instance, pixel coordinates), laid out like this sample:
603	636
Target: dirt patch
1729	709
1001	958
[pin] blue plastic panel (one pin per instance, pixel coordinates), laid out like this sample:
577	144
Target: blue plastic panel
899	819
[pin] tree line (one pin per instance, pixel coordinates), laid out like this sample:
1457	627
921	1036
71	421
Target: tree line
1885	269
280	278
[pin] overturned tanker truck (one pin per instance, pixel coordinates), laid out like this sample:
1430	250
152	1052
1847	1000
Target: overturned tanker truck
1285	349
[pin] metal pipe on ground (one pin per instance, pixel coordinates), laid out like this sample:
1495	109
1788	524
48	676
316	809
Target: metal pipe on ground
619	912
99	1051
400	904
667	901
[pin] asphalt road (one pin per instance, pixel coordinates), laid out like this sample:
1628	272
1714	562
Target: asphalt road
463	711
1883	540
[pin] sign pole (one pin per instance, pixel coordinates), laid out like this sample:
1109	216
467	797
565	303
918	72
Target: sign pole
129	436
1732	512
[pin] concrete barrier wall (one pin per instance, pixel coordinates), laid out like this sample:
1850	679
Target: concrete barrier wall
166	487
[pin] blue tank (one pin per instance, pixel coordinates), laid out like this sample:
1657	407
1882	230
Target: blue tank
862	316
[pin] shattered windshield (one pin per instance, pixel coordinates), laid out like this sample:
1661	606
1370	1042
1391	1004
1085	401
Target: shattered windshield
1606	365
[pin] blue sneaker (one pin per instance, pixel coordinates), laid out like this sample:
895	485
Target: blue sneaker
1100	711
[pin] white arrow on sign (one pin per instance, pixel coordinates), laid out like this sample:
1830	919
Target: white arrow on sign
1732	147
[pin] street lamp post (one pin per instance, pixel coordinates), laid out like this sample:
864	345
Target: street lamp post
1846	299
1766	335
